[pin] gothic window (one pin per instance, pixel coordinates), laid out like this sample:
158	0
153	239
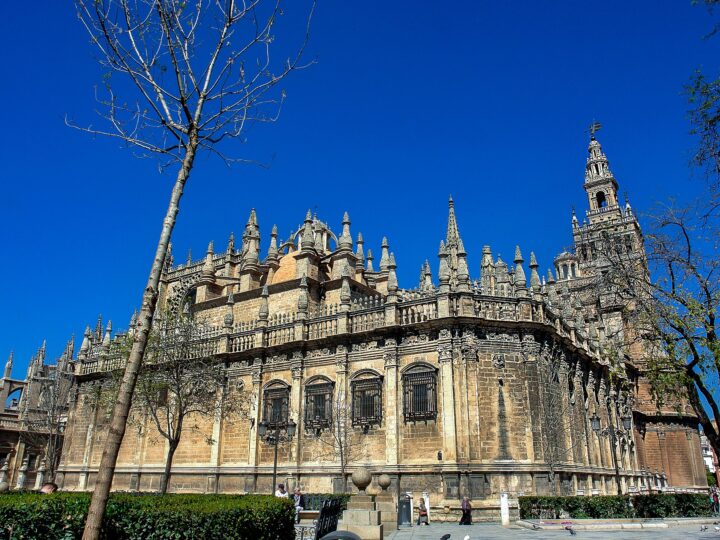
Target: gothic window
420	393
366	399
601	200
276	398
318	404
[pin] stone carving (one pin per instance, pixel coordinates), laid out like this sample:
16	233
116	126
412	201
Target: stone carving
498	361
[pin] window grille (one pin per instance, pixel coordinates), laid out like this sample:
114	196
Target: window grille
367	402
275	410
318	405
420	390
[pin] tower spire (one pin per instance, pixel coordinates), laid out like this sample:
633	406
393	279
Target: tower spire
9	365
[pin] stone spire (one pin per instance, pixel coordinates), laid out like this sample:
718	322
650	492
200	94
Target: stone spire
463	274
98	328
370	261
452	236
229	318
231	244
534	276
169	260
426	283
550	277
384	254
318	234
208	269
106	338
85	346
392	276
251	240
487	271
575	223
273	250
188	261
359	254
264	311
307	240
345	292
345	240
444	271
133	323
520	280
9	365
303	299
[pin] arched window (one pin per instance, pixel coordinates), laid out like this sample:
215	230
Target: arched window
276	398
420	392
600	199
366	387
318	403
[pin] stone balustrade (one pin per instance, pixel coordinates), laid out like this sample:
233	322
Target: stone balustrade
362	315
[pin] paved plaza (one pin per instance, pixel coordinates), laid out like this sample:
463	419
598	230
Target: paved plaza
492	531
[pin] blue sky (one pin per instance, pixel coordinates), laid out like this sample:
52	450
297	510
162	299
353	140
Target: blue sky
407	103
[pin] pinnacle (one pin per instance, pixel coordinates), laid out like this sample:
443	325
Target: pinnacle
359	238
533	261
518	256
308	216
441	251
346	218
211	247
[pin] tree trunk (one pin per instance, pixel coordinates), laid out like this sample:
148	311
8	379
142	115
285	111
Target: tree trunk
127	387
168	465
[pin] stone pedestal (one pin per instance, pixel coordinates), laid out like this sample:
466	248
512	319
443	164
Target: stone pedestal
385	504
361	516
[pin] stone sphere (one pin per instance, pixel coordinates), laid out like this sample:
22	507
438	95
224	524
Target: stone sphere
361	478
384	481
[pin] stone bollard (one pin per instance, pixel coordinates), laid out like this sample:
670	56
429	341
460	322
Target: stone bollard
385	504
361	516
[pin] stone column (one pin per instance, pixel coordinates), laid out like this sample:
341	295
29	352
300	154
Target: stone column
296	409
255	408
447	396
22	473
391	402
40	477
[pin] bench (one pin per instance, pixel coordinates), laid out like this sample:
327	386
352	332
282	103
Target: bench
326	522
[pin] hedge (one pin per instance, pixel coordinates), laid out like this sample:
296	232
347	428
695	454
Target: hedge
616	506
145	516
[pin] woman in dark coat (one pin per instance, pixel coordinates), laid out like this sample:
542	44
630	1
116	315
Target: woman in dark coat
466	507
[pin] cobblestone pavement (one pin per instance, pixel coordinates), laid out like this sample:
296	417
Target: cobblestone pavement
493	531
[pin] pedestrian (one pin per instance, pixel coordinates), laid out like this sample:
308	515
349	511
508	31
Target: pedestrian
422	513
281	492
299	500
48	488
466	507
715	501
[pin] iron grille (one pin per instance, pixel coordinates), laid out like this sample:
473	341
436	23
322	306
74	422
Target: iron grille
367	402
318	400
275	410
420	389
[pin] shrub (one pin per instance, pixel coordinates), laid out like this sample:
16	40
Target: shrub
152	517
617	507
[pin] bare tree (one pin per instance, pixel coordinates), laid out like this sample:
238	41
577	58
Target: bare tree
178	385
196	75
45	415
340	441
559	415
671	307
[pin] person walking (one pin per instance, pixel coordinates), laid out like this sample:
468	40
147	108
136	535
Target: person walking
466	508
299	500
422	513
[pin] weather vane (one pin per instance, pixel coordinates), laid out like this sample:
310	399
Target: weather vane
594	128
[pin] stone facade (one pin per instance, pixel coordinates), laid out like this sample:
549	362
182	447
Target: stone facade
33	418
446	382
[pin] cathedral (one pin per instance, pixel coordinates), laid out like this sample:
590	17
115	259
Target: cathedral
515	381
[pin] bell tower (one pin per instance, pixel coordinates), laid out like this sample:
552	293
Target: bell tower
600	185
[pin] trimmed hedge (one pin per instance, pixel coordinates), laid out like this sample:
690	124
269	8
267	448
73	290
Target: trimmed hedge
617	506
152	517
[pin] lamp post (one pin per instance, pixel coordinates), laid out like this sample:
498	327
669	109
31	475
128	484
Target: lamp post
275	436
613	434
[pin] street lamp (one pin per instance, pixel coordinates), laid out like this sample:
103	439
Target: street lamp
275	436
613	435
